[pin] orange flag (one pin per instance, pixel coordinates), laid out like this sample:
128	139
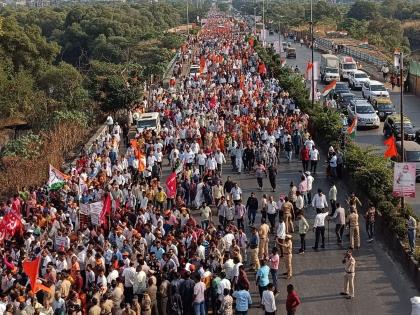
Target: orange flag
391	151
142	161
31	269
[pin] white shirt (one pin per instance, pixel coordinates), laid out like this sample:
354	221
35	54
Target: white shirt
271	207
309	180
281	231
236	193
129	275
201	159
224	284
268	301
320	219
314	155
319	202
300	203
220	158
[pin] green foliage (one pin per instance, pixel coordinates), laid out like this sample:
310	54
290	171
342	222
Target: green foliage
363	10
27	146
76	117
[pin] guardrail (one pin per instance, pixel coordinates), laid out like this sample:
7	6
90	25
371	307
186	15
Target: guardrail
169	69
350	51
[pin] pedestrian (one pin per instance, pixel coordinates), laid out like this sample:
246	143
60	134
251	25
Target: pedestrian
205	214
252	208
260	171
340	221
288	149
242	241
303	189
349	268
411	232
309	183
272	213
263	234
393	81
268	300
333	165
262	279
226	307
264	205
297	142
288	212
243	300
353	223
240	212
314	156
354	201
292	300
319	228
288	253
319	201
199	298
254	243
304	156
332	196
370	216
303	228
272	173
274	266
385	71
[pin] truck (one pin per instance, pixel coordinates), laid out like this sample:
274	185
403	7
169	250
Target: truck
329	68
347	67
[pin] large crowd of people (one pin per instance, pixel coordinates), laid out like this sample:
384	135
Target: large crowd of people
189	252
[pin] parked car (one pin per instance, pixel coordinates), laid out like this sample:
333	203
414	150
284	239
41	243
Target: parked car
371	90
343	100
340	88
411	154
365	113
392	126
384	107
357	79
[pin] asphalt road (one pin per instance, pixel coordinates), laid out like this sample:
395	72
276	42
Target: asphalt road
372	137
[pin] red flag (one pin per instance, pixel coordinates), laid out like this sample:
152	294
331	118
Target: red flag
106	209
391	151
31	269
10	224
171	185
251	42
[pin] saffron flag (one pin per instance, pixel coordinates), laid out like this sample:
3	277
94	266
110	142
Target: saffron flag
308	71
171	185
31	269
391	151
329	88
56	178
142	161
351	130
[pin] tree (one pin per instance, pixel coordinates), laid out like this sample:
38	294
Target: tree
363	10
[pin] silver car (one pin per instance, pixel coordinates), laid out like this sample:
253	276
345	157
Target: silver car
365	113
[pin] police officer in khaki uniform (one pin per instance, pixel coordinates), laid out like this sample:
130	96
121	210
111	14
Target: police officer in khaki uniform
263	233
254	243
349	268
287	209
353	222
287	252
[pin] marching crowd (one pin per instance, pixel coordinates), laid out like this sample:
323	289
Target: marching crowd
185	249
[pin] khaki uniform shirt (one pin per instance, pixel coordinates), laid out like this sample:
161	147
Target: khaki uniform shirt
288	247
353	219
287	207
263	230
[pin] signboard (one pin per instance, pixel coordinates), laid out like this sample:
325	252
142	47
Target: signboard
60	242
404	180
95	212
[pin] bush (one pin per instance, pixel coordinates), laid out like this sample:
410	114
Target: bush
27	146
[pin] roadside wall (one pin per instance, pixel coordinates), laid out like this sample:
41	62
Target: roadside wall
414	78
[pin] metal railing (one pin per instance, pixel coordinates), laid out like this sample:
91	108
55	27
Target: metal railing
350	51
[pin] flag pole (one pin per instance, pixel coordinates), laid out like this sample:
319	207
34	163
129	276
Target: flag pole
402	114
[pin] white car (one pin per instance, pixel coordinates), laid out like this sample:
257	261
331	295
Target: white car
371	90
365	113
357	79
194	70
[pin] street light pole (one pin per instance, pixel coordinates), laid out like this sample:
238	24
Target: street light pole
312	58
402	113
255	21
263	20
188	22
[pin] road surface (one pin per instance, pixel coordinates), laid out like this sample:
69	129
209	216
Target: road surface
373	137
